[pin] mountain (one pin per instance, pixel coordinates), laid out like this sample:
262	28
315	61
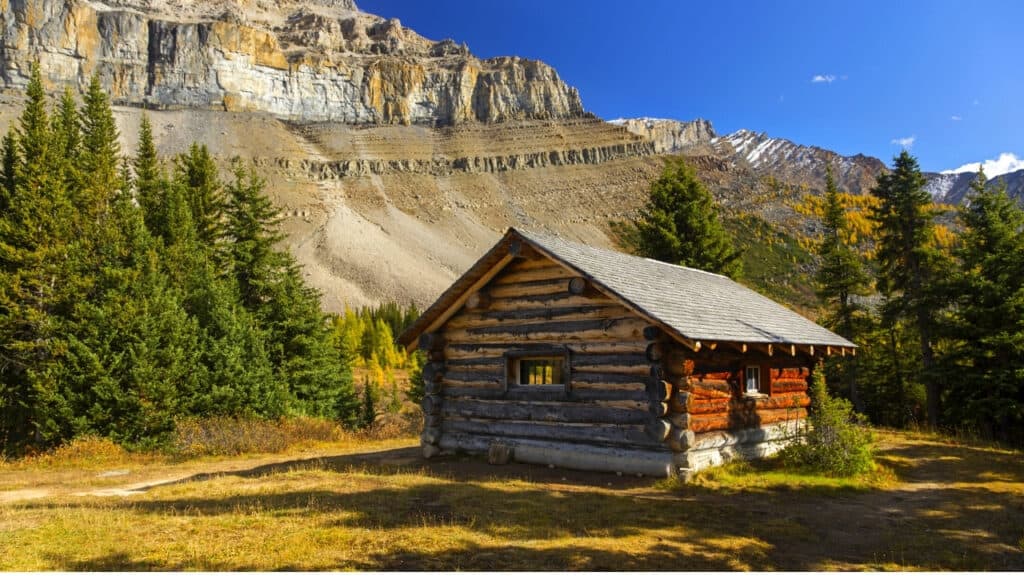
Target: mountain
952	188
395	159
319	60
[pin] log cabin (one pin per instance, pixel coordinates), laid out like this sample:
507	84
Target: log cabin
551	352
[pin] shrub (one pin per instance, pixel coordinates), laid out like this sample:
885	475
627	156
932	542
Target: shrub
225	436
837	441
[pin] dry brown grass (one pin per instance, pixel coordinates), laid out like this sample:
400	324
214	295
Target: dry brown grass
375	505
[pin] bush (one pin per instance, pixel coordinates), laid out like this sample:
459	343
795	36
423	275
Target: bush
226	436
837	441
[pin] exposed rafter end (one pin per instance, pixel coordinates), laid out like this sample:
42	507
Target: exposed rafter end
809	350
738	346
768	349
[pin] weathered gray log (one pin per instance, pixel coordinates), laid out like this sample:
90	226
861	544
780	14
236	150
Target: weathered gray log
625	325
678	402
657	429
562	298
548	394
528	288
432	387
587	434
680	439
578	285
430	435
659	409
431	404
659	390
548	314
478	301
430	450
679	420
568	412
456	363
608	378
655	350
496	350
433	372
656	461
431	341
516	273
653	333
492	376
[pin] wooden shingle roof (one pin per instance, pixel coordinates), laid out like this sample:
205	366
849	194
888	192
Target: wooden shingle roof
692	305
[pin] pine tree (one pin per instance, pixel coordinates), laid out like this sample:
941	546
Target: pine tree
840	277
10	161
198	173
680	224
99	166
369	415
67	132
148	174
271	288
908	262
35	288
987	328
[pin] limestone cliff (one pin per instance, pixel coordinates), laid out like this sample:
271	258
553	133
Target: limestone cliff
320	60
669	135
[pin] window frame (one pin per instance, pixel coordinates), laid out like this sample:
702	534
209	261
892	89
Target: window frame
746	381
513	358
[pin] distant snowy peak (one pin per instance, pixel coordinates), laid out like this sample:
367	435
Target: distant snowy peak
762	152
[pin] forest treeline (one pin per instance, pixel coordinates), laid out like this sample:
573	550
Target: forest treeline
134	292
937	310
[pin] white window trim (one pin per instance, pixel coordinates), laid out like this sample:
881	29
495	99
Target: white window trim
746	381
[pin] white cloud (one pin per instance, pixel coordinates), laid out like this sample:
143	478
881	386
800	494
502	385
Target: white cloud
906	143
827	78
1006	163
955	118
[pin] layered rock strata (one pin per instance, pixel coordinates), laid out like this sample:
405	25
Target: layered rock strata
303	61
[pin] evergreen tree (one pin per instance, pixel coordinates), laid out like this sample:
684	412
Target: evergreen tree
271	287
35	287
680	224
99	166
908	262
148	174
10	162
198	173
67	133
840	277
987	328
369	415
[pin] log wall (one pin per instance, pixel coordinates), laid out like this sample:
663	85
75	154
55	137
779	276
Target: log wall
534	304
708	390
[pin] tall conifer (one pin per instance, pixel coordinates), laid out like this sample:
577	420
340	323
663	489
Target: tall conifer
680	224
907	261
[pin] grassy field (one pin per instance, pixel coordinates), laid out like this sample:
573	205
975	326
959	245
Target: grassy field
375	505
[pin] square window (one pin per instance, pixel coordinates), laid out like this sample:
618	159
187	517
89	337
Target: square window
540	371
546	368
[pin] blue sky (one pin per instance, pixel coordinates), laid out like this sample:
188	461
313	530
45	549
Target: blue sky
944	78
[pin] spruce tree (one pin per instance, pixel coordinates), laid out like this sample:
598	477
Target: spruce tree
987	328
840	277
67	133
100	163
908	261
148	174
198	173
680	225
10	161
35	287
271	288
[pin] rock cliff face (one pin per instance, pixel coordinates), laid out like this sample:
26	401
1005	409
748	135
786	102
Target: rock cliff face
669	136
303	61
